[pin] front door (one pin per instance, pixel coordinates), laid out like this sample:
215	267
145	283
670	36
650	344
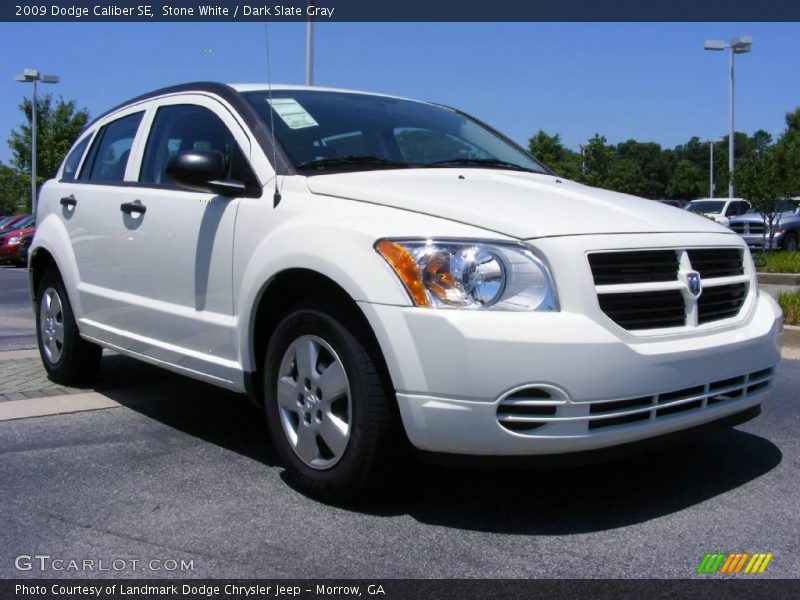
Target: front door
175	247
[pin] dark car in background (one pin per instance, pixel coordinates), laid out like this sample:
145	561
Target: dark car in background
751	227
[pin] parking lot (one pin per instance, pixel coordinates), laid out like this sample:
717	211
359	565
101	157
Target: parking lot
152	466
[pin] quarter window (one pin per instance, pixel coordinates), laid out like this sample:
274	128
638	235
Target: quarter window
108	157
182	127
74	159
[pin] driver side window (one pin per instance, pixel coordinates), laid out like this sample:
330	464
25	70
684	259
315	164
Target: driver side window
180	127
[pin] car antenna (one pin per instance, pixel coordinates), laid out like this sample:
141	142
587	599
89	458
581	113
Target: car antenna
276	197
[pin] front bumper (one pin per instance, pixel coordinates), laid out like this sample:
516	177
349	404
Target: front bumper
758	242
455	370
9	252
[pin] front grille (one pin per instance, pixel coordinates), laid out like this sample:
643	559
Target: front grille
645	310
756	228
610	268
554	417
721	302
641	305
716	262
738	227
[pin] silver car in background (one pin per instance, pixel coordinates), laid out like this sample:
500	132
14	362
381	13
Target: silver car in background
751	227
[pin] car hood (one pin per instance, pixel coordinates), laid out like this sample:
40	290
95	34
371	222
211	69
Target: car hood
757	218
521	205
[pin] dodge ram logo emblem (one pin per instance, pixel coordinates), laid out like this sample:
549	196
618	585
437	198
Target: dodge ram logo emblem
694	283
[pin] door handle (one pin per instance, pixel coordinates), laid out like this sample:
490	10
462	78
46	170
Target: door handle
69	201
133	207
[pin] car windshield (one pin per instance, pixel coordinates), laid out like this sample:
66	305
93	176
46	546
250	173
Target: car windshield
706	206
324	131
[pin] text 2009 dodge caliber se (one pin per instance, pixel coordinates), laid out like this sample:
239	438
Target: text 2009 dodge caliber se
383	271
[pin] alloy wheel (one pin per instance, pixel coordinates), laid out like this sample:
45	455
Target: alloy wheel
314	402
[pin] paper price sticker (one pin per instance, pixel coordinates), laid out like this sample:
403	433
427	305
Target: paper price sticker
292	113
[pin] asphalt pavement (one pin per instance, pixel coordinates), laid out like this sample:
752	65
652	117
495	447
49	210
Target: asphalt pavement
169	469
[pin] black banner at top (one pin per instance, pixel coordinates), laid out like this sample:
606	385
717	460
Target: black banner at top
399	10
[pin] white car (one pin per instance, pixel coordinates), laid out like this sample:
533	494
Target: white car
384	271
721	210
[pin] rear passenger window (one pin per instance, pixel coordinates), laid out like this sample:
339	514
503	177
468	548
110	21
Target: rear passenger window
180	127
108	157
74	159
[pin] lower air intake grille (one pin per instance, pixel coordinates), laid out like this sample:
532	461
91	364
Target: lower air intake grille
539	413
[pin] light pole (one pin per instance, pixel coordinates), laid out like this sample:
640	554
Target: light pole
739	45
33	76
310	49
711	166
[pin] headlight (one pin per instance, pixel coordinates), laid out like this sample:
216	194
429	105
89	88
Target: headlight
14	240
470	274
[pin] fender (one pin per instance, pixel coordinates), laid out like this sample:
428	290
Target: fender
52	236
334	237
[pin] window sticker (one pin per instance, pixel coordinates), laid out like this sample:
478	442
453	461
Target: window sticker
292	113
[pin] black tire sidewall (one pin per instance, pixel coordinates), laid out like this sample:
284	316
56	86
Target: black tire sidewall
330	324
79	359
790	236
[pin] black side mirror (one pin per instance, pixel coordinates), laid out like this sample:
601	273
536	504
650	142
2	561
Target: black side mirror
203	171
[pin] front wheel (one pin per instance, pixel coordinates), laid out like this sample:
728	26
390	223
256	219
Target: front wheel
68	358
327	406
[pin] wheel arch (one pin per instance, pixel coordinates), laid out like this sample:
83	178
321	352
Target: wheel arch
280	292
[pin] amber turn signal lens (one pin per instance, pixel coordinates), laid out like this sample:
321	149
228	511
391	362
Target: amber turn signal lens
403	264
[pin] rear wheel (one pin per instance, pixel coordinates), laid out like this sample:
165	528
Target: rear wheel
67	357
327	406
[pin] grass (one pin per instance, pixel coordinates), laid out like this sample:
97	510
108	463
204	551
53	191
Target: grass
790	304
777	262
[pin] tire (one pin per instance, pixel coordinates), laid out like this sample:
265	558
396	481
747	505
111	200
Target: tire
67	357
329	414
790	242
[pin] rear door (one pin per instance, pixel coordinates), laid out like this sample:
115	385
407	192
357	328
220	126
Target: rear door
175	253
90	192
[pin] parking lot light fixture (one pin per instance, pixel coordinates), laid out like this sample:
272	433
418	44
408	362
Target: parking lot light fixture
738	45
33	76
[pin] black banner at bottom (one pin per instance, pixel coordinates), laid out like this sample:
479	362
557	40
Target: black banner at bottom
398	589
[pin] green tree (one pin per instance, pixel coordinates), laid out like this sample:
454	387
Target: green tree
12	191
685	181
765	180
550	150
598	158
789	146
58	124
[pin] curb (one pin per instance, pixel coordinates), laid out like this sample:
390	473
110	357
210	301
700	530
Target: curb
779	278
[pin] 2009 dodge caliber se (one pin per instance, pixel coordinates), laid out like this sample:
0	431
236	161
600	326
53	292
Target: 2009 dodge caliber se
376	271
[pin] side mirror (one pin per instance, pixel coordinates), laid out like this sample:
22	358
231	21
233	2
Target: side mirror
202	171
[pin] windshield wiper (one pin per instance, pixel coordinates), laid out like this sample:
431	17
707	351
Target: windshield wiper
480	162
348	161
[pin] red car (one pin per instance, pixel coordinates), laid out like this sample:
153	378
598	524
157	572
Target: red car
12	242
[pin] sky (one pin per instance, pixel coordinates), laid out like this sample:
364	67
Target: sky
649	82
